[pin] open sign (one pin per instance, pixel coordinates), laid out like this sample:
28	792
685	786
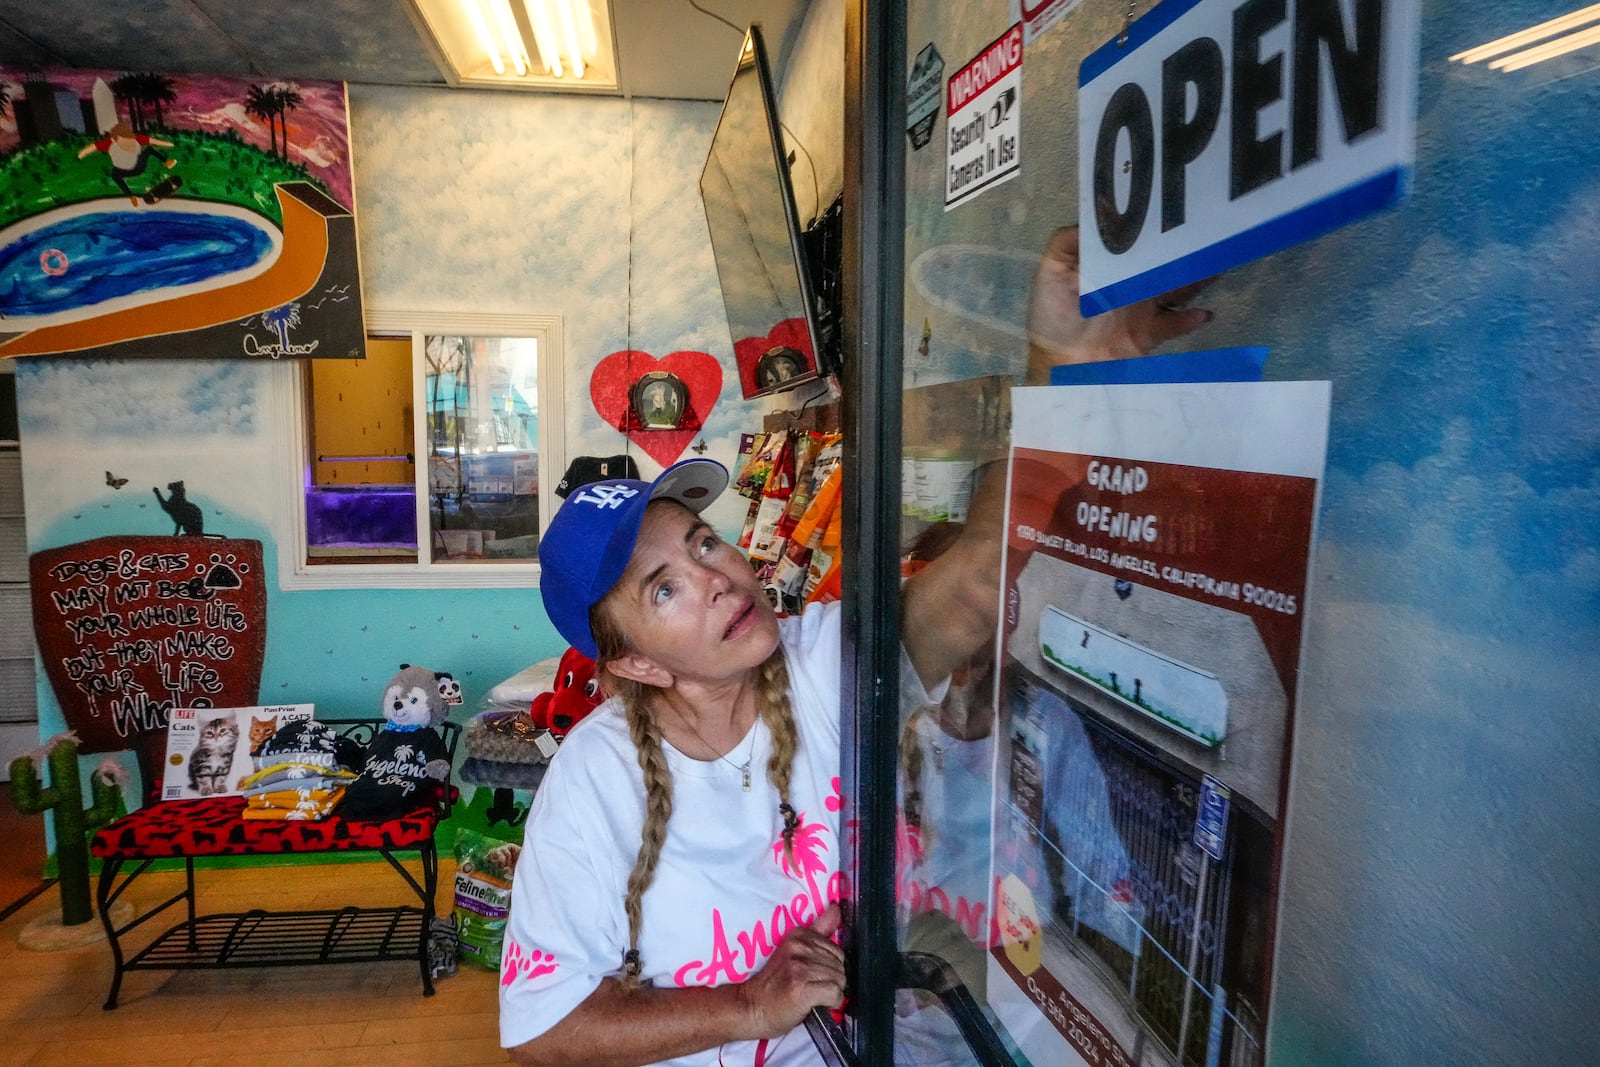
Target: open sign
1221	131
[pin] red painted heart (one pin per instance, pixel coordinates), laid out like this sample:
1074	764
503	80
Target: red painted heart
748	351
614	376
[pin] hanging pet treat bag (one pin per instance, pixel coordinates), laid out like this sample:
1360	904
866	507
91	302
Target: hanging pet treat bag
483	896
766	451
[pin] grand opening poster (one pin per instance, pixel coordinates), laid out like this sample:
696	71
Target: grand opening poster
1158	547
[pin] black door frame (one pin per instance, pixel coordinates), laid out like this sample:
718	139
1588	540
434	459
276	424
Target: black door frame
874	255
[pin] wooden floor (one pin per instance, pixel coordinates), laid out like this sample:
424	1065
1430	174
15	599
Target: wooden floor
350	1014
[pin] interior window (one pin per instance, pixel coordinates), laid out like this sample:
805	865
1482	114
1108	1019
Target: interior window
482	399
361	484
421	462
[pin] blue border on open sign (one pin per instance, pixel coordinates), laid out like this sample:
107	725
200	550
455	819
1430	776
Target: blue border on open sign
1111	53
1302	224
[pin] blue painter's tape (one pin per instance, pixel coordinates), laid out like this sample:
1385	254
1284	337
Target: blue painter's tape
1211	365
1313	220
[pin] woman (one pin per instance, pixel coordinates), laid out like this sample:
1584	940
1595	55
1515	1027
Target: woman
678	890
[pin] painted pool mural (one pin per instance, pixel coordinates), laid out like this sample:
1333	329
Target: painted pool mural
146	214
137	258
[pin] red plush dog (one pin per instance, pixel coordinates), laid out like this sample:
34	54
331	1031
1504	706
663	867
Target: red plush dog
575	694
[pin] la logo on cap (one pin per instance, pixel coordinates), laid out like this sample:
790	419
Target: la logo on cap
604	496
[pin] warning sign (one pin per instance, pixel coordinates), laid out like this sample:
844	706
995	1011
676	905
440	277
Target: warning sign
922	96
984	129
1039	15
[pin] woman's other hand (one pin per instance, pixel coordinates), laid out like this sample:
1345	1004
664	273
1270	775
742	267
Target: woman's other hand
1059	335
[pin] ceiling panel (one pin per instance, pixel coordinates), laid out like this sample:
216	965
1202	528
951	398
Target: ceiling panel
157	35
366	40
666	48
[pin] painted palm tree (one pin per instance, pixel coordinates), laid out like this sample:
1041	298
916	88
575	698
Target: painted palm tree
282	319
160	90
258	104
810	845
141	86
126	88
287	98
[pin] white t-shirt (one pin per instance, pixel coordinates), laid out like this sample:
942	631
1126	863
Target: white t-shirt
723	895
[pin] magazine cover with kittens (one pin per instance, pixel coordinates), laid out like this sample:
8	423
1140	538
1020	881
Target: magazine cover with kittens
209	750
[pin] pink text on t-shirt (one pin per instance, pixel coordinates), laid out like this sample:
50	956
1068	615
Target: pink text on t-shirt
757	943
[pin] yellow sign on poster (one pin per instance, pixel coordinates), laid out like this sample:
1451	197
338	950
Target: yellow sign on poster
1020	932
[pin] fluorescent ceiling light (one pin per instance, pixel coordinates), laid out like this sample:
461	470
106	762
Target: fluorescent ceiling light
480	30
1559	36
1559	47
561	45
569	32
509	34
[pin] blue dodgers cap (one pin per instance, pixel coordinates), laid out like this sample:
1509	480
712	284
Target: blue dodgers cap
588	543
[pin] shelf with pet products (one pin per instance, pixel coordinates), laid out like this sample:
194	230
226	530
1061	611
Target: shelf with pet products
214	826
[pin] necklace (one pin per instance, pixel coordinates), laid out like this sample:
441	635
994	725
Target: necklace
742	768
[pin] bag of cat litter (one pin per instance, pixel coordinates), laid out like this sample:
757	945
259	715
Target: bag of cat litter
483	896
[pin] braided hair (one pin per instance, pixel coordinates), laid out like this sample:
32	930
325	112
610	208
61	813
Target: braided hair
775	711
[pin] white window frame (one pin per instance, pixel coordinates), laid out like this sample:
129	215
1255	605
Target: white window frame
293	446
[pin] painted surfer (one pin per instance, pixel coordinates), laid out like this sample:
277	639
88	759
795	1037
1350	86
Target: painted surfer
130	154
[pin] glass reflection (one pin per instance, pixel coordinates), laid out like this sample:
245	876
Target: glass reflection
751	216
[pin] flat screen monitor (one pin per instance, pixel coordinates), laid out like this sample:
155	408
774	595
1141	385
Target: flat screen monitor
756	236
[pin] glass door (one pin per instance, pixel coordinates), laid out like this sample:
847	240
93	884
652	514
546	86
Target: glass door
1086	841
1047	883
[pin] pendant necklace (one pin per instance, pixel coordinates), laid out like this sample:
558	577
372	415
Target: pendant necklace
742	768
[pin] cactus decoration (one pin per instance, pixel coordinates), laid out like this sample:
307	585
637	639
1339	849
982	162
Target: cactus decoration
72	822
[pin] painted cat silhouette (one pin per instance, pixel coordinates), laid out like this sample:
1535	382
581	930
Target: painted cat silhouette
188	517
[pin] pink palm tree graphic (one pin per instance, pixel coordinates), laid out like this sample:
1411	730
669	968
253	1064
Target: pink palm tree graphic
810	843
908	850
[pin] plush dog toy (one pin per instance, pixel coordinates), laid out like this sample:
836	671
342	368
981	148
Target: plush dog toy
575	693
407	761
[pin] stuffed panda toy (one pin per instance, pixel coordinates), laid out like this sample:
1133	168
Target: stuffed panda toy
449	689
407	762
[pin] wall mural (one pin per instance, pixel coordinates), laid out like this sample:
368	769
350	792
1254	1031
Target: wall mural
176	215
209	423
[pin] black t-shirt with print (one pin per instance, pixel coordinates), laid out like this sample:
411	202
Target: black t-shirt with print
394	778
